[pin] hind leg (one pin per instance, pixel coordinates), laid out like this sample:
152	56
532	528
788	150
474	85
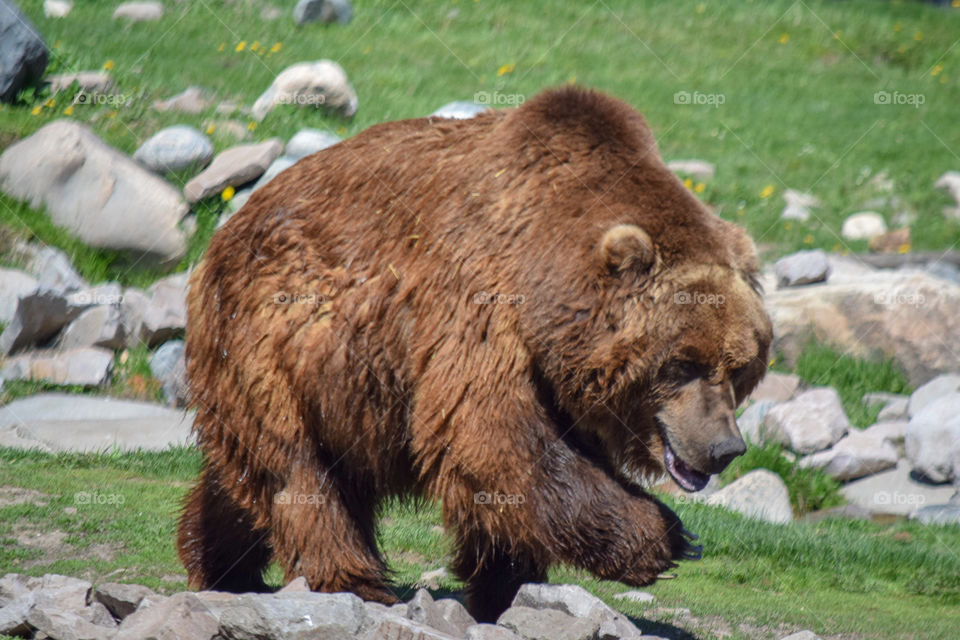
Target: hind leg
218	543
325	533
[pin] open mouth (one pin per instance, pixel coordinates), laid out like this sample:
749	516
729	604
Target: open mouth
686	476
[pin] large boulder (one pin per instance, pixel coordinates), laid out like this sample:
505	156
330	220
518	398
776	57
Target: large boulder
84	366
854	456
318	84
95	191
933	439
811	422
871	313
759	494
23	54
14	284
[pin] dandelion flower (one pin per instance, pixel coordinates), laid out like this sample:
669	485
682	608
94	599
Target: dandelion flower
688	183
918	36
255	45
936	70
50	103
210	128
767	191
808	239
276	47
240	46
904	248
36	110
252	125
505	69
68	111
108	65
227	194
700	187
784	38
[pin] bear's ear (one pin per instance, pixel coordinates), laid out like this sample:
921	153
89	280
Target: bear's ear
626	247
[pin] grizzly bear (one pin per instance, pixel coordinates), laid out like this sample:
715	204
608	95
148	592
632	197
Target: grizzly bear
524	316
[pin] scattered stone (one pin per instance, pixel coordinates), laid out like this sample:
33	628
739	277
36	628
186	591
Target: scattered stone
168	365
447	616
927	393
183	616
639	597
121	599
319	84
13	616
803	267
229	128
23	54
547	624
894	409
938	514
798	205
759	494
99	326
891	242
86	82
893	432
57	8
85	366
863	226
811	422
332	616
308	141
51	267
165	316
325	11
806	634
175	149
573	601
459	110
53	622
232	168
854	456
139	11
14	284
15	585
933	439
70	422
95	191
38	318
297	585
276	167
190	100
776	387
431	579
894	492
490	632
696	169
751	420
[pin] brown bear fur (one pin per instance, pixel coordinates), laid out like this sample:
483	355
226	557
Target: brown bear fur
463	309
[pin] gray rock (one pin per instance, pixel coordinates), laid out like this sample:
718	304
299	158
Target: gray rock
99	326
803	267
57	8
447	616
14	284
182	616
52	268
16	585
23	54
65	422
894	492
326	11
696	169
854	456
863	226
547	624
574	601
806	634
85	366
293	616
933	439
751	420
191	100
276	167
166	315
950	181
431	579
65	592
798	205
639	597
168	365
320	84
121	599
894	410
87	83
139	11
459	110
489	632
232	168
298	584
873	398
38	318
893	431
175	149
811	422
14	614
387	625
308	141
95	191
759	494
67	625
776	387
927	393
938	514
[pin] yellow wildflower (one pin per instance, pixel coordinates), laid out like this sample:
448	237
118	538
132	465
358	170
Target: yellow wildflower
255	45
108	65
227	194
784	38
276	47
808	239
210	128
918	36
767	191
223	45
700	187
240	46
252	125
36	110
936	70
904	248
505	69
68	111
688	183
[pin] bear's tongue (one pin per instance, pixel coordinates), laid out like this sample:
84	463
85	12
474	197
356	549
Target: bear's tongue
687	477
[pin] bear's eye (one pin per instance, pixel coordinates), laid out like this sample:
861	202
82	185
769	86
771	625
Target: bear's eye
684	371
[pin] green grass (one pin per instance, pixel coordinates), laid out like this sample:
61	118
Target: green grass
821	366
797	80
810	489
856	578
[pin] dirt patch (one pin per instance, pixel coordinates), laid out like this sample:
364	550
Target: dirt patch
12	496
51	546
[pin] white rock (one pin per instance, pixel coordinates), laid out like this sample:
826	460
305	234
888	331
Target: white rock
14	284
798	205
854	456
51	267
803	267
893	432
863	226
168	365
894	410
811	422
696	169
139	11
276	167
232	168
894	492
95	191
99	326
87	82
309	141
933	439
759	494
951	182
86	366
751	420
935	388
776	387
175	149
190	100
322	83
57	8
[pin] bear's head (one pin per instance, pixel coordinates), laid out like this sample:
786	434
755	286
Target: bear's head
645	354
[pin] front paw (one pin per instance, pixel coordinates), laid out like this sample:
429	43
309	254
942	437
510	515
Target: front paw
664	547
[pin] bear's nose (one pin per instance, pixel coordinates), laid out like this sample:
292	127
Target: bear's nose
723	452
